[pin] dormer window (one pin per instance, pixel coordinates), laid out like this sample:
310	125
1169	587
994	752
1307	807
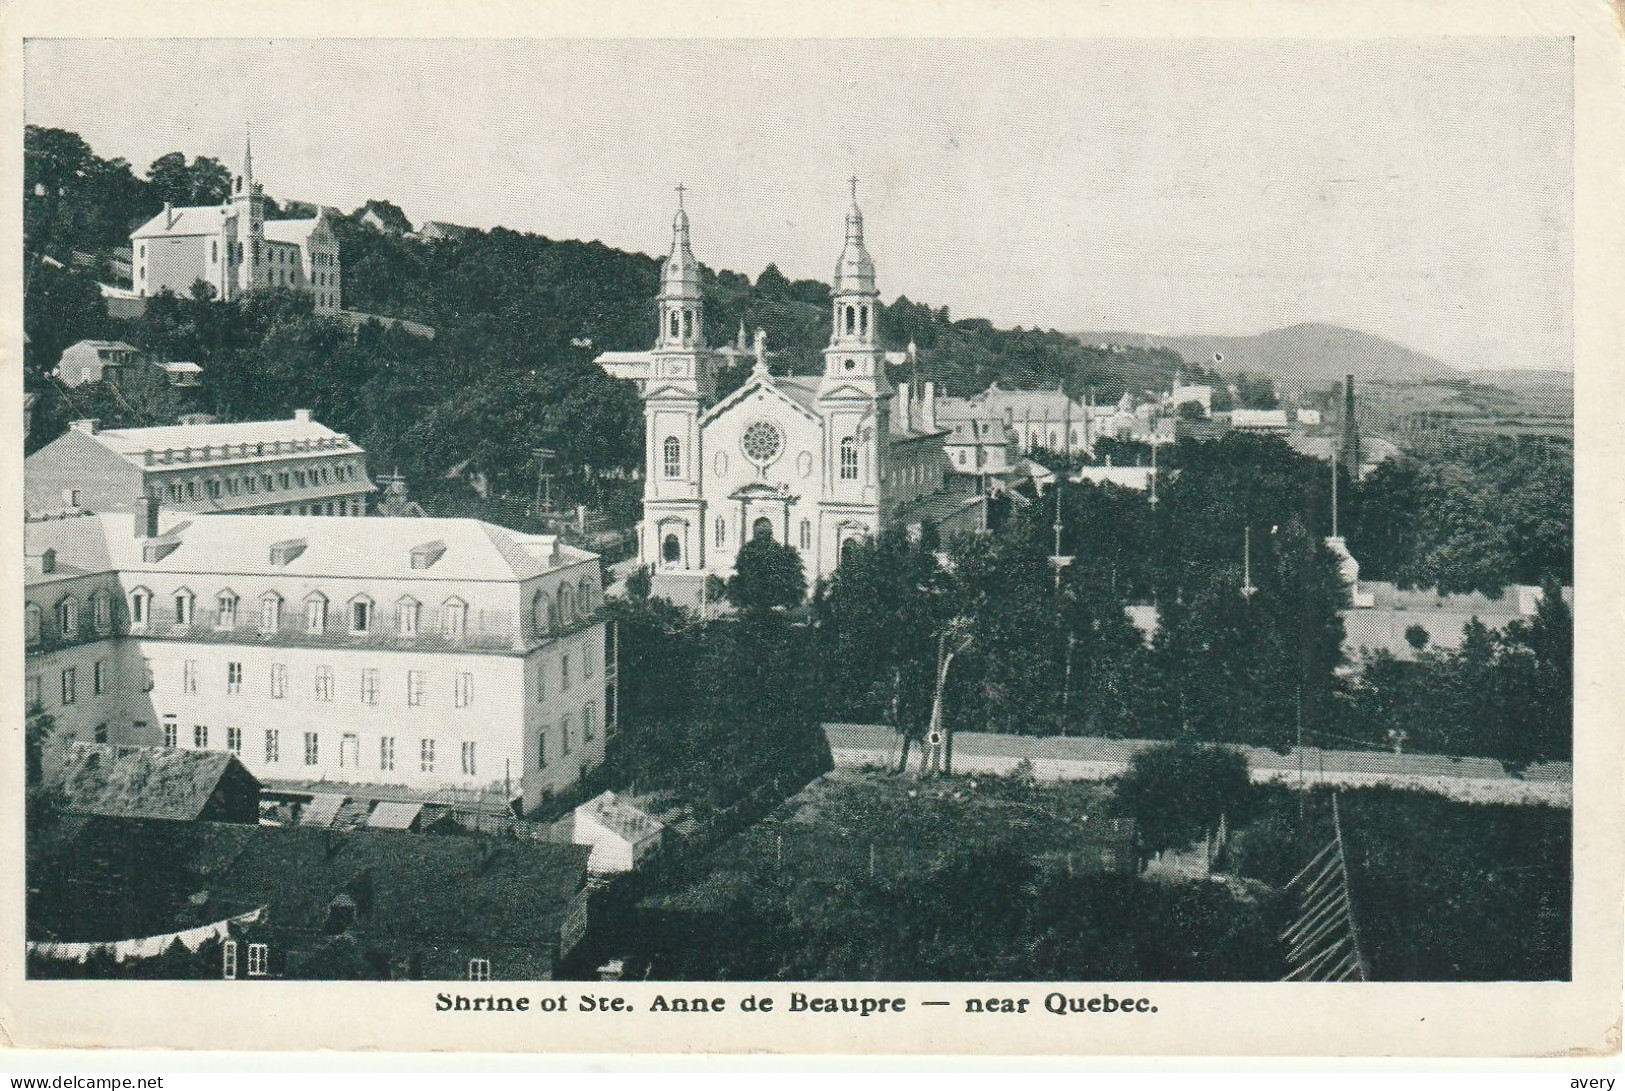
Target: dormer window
140	607
67	616
271	612
316	615
35	619
47	561
184	603
425	555
285	552
406	616
101	609
453	618
226	610
541	613
360	614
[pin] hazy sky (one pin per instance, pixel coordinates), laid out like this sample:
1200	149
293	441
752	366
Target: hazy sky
1422	190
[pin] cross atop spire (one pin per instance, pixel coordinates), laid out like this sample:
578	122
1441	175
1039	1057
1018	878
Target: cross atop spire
854	182
681	189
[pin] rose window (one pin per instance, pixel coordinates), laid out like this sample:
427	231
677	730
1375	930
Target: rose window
762	442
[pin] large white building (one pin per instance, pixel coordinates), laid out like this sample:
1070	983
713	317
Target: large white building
234	249
294	466
425	654
816	462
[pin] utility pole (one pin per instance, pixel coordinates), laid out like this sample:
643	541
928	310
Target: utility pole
1247	587
544	480
1153	473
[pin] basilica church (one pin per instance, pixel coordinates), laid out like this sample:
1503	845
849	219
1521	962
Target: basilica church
818	462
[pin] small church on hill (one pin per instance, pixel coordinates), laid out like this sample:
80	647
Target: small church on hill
234	249
817	462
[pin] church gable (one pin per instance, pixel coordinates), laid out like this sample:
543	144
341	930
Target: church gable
753	386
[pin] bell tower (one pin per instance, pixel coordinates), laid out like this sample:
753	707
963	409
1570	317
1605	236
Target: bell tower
248	198
854	355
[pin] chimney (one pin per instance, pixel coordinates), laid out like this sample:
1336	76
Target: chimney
302	416
904	408
928	406
146	517
88	427
169	216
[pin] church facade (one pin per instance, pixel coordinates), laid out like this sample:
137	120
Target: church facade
234	249
817	462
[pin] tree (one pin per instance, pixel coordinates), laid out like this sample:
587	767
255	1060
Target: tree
1417	637
638	583
1177	792
767	575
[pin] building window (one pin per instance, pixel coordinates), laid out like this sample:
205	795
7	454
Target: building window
674	457
98	680
228	960
284	479
414	688
234	678
465	689
479	969
671	550
200	736
172	733
849	459
564	735
588	727
360	615
541	681
386	753
468	759
541	613
102	610
426	756
189	676
140	606
316	615
722	532
34	616
32	695
313	752
349	751
406	616
271	613
541	748
101	733
273	745
183	608
586	662
279	680
369	685
67	616
70	686
324	683
234	739
564	672
806	534
567	605
214	490
226	611
257	960
454	618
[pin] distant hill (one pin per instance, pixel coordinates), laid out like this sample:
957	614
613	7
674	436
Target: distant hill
1314	352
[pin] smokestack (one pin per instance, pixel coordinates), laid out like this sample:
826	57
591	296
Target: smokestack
87	426
302	416
146	517
1351	429
928	407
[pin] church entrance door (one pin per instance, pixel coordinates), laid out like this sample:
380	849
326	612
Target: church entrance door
762	528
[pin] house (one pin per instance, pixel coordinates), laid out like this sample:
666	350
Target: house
181	373
383	217
1259	420
438	230
154	782
308	903
325	655
619	833
297	466
94	361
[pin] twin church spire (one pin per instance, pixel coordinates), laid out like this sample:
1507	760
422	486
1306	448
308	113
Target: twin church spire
854	340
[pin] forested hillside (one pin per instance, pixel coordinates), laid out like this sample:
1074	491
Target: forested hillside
518	317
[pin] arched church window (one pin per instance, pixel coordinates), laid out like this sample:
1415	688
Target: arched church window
762	528
806	534
674	457
863	320
674	321
849	459
688	323
672	550
722	531
851	318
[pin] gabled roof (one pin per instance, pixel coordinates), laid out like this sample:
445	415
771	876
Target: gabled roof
620	817
791	390
295	231
189	220
143	781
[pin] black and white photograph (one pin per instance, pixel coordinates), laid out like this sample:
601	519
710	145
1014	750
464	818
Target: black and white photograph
641	515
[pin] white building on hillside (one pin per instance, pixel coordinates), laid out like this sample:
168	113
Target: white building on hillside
421	653
234	249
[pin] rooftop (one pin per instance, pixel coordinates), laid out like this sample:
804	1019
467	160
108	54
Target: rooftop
417	549
220	442
141	781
